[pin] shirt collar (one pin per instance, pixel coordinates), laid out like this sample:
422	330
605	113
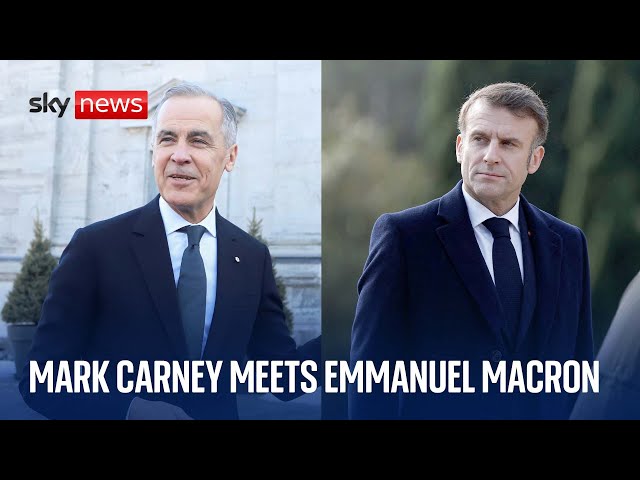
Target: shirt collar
478	213
173	221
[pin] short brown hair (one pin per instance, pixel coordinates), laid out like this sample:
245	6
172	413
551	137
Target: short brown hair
519	99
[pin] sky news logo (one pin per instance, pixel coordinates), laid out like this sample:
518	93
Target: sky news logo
97	104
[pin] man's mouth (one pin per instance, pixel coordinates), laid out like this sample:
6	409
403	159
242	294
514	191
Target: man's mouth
181	177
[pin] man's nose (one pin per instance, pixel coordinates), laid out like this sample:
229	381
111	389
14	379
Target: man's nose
181	153
492	155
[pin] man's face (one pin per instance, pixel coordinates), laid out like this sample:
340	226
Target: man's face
495	156
189	154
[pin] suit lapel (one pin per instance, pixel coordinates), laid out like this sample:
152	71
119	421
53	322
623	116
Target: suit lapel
228	287
149	243
546	246
461	246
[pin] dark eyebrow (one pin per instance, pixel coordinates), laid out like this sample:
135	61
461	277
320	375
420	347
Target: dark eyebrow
200	133
476	132
193	133
502	139
162	133
513	140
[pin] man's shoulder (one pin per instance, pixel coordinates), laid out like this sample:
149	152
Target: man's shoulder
559	226
411	217
238	234
114	230
117	222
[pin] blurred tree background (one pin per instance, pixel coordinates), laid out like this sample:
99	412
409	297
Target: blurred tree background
389	129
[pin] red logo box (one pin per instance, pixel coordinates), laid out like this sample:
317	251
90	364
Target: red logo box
112	104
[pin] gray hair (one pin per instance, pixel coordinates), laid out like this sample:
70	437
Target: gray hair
519	99
229	126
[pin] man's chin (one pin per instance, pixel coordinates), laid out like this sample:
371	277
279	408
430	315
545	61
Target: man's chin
176	197
487	190
179	202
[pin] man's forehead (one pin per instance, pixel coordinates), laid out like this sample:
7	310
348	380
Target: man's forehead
180	112
485	117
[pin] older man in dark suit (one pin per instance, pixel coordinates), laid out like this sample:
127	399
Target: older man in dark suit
479	274
171	281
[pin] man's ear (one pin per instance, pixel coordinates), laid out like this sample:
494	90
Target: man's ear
230	159
459	148
536	159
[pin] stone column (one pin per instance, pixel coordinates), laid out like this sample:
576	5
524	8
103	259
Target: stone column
70	197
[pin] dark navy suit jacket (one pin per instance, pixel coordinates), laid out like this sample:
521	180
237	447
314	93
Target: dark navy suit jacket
426	294
113	297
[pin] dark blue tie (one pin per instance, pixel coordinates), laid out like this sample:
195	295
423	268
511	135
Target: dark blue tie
506	272
192	291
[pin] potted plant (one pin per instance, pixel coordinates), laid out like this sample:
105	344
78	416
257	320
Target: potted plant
22	309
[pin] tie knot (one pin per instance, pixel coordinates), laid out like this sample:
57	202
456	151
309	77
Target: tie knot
499	227
194	233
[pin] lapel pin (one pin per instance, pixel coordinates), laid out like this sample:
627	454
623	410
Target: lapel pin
237	259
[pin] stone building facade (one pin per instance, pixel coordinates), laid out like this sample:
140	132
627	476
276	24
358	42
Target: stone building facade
72	172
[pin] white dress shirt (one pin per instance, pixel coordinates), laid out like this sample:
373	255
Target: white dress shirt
208	249
478	213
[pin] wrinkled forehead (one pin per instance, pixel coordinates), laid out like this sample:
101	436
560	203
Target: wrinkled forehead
190	113
490	119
